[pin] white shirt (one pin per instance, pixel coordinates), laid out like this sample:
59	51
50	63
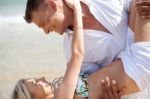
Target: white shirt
102	48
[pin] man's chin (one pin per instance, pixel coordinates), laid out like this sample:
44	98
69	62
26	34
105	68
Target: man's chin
60	33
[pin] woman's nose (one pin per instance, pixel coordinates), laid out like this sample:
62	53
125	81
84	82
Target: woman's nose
42	79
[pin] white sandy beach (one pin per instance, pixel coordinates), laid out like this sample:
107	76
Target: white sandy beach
25	51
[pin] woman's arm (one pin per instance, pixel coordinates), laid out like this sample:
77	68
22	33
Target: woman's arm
142	25
67	88
132	16
140	7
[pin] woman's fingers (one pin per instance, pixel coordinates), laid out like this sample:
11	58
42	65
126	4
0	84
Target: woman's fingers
144	14
69	3
143	2
143	9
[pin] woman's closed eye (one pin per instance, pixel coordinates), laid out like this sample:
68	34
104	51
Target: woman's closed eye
34	83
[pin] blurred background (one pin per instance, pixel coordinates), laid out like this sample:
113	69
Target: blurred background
25	51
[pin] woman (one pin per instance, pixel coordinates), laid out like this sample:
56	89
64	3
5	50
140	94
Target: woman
40	88
119	70
123	68
138	83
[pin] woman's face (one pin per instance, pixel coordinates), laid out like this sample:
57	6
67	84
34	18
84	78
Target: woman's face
38	87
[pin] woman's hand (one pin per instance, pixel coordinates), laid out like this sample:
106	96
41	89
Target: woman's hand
109	89
143	9
69	3
74	5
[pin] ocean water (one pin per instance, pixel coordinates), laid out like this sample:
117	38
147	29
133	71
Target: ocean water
25	51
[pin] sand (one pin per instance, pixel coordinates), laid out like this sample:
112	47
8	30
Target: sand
25	51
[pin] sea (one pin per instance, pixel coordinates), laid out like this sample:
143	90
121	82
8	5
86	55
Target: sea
25	51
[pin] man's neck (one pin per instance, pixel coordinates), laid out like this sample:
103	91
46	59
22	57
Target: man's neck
86	16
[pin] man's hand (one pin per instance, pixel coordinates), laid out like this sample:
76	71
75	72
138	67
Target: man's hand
143	9
109	89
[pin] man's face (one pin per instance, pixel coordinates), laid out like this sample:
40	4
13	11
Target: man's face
50	19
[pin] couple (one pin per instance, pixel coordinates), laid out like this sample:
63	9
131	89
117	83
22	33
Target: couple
104	39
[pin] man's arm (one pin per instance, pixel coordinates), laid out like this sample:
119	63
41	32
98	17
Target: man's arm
67	88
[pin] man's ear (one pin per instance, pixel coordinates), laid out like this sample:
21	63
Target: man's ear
52	3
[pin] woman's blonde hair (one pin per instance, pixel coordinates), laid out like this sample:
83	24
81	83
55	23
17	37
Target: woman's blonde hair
21	91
